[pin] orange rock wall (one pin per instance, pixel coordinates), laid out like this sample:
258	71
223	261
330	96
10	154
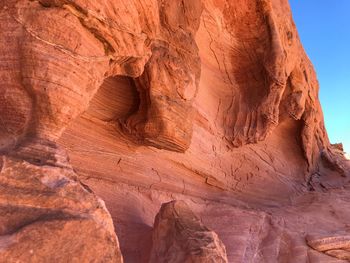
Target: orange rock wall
212	102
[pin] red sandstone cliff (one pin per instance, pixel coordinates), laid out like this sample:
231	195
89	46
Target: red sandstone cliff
211	102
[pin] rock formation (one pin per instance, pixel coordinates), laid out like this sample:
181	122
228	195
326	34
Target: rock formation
336	245
213	102
179	236
46	215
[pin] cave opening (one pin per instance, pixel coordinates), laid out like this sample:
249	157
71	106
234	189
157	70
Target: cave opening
116	99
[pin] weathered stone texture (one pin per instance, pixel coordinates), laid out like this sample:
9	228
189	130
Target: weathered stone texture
213	102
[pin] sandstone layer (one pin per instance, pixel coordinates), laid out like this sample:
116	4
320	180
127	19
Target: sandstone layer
179	236
46	215
213	102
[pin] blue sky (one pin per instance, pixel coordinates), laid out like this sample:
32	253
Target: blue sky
324	29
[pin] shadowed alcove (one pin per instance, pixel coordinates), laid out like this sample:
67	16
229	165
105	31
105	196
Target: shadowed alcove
97	132
117	98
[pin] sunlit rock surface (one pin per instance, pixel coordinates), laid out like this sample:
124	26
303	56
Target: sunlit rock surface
213	102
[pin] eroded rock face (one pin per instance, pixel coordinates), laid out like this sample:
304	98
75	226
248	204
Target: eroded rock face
179	236
151	41
208	101
47	215
335	244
